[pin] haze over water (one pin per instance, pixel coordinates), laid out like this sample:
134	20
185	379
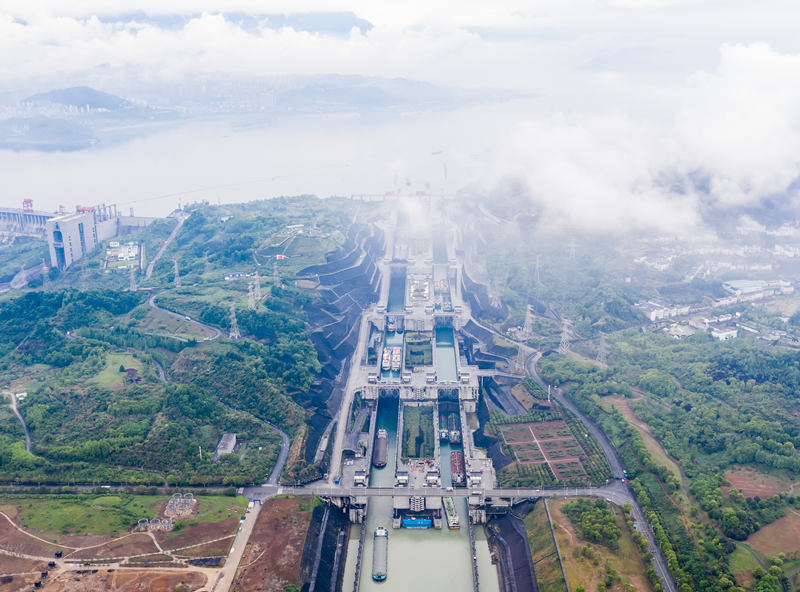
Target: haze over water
431	151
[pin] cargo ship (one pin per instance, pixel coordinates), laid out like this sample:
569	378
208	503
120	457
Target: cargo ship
386	360
396	354
381	450
444	434
452	425
458	474
380	554
451	514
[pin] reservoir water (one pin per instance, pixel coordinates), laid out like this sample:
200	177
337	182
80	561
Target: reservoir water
437	560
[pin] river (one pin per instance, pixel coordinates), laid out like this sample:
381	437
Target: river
430	559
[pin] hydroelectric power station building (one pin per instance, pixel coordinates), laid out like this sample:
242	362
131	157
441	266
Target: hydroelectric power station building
71	237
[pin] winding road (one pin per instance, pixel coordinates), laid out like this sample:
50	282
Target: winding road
659	563
152	304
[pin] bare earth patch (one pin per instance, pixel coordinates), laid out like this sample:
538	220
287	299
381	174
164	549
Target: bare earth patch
18	542
783	535
134	544
125	580
272	559
197	533
753	483
581	571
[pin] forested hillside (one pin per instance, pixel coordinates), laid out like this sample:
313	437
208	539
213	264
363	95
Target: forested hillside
714	407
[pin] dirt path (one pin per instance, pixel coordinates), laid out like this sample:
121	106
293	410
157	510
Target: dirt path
163	248
77	549
21	419
33	536
646	428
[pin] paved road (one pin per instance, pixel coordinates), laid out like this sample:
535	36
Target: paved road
282	455
152	304
354	380
614	491
659	563
225	580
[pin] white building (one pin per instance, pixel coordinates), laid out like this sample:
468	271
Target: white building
725	333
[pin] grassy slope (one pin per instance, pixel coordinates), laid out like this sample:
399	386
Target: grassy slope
543	551
581	571
104	514
742	564
110	377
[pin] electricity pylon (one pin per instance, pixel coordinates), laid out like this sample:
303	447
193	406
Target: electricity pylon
234	333
566	333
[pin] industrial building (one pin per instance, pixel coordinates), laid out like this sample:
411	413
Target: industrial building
73	236
24	221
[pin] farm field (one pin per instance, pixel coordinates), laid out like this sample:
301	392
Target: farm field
752	482
60	518
581	570
126	580
271	560
71	523
742	564
548	442
103	530
543	549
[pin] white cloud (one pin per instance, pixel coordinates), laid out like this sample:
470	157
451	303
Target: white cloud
638	97
631	162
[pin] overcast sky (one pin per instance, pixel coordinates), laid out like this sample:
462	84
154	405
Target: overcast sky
638	99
